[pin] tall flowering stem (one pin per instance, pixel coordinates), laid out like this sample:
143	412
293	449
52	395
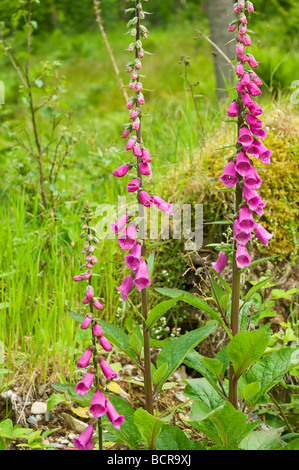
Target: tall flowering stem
98	371
240	171
126	226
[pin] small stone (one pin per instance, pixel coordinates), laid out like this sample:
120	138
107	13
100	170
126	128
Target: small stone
179	396
39	408
32	420
48	416
38	417
74	424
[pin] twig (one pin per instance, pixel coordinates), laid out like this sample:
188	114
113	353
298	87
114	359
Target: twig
100	23
216	47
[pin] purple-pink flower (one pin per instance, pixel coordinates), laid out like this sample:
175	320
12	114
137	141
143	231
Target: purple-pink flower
98	404
85	385
126	287
142	279
107	370
113	416
83	442
221	263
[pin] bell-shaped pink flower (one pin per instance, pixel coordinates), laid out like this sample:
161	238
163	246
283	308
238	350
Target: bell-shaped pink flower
253	148
262	234
243	259
253	89
252	179
243	58
97	330
239	235
239	49
142	279
136	124
265	154
113	416
245	80
141	99
245	137
233	109
90	292
242	29
97	304
250	7
130	104
247	100
258	132
145	199
133	186
241	88
135	113
107	370
85	359
252	62
82	277
252	198
247	40
229	176
246	222
105	343
97	405
255	79
145	157
128	239
137	150
126	133
242	163
131	143
86	300
121	171
85	324
144	169
232	27
85	385
138	87
133	259
255	109
120	224
83	442
126	287
221	263
163	205
253	121
240	70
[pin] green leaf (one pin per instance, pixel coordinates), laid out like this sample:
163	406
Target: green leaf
76	316
175	352
258	286
225	426
262	440
149	427
195	302
71	392
119	338
281	294
293	445
205	398
150	263
159	373
194	361
223	281
213	365
135	342
250	391
158	311
246	348
54	400
128	431
6	429
271	369
173	438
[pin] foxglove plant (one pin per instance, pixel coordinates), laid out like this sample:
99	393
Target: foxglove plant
98	371
127	227
240	173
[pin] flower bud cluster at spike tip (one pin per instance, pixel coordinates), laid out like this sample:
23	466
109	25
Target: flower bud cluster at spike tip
97	370
240	169
125	227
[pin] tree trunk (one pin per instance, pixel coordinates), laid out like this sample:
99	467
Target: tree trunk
220	13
